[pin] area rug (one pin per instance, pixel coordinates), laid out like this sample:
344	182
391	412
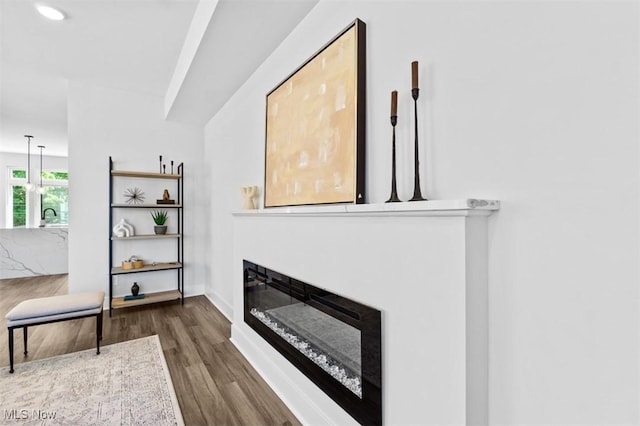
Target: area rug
127	384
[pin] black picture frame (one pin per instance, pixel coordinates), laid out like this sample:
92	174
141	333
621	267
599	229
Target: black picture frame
315	127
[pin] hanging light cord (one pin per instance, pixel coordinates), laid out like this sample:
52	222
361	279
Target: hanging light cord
41	146
28	158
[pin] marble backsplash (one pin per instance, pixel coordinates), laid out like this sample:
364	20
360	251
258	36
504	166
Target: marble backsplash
28	252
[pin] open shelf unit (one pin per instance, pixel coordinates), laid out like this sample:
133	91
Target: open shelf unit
151	175
117	270
161	296
147	237
177	265
146	206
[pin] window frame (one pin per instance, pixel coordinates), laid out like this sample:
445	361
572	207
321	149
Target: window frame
32	198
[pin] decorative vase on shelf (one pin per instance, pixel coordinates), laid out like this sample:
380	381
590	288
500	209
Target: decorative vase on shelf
160	229
123	229
135	288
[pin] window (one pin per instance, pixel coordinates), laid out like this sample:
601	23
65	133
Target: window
55	197
17	205
26	208
19	201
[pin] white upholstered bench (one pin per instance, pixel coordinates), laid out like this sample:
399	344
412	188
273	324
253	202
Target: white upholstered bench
46	310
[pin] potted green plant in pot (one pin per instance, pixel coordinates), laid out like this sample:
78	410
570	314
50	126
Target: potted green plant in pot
160	217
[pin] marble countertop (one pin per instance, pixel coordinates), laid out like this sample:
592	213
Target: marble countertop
26	252
53	226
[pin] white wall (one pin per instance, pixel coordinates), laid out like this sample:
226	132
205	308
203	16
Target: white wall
532	103
130	128
11	160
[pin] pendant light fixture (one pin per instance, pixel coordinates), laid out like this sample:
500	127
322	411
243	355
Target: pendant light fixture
41	188
29	185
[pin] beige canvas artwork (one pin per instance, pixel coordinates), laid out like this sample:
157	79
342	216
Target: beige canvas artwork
311	130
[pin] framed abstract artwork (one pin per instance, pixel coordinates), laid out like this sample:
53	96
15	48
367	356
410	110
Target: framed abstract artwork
315	127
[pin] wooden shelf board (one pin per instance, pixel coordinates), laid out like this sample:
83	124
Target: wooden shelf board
147	237
117	270
162	296
146	206
127	173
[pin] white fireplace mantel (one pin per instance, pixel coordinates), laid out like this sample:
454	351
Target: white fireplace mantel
423	264
463	207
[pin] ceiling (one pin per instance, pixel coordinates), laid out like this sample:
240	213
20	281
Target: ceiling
131	45
239	37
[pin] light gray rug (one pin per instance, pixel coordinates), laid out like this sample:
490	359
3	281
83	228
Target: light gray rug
127	384
337	339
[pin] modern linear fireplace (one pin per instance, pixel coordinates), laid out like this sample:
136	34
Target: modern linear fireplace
334	341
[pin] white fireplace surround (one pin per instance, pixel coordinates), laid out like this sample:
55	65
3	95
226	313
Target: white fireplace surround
423	264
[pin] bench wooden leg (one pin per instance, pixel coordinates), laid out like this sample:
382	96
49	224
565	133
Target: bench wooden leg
24	334
10	333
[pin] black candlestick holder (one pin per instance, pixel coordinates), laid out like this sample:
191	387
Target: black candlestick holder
417	194
394	191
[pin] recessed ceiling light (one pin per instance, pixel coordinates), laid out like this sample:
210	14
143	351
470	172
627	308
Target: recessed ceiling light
50	12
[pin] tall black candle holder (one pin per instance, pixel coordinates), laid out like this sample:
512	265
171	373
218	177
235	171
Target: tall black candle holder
394	191
417	194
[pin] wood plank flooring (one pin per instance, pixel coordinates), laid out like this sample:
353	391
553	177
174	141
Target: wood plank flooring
215	385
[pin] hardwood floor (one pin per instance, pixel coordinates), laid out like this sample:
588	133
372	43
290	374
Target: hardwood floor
215	385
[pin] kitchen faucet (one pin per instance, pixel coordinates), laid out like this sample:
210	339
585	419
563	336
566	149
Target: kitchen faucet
44	213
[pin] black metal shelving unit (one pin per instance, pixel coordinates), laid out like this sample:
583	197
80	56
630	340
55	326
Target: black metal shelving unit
178	265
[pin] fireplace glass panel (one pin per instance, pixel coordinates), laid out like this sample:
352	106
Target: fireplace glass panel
333	340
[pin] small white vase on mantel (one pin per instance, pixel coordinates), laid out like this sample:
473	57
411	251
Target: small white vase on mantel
249	193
